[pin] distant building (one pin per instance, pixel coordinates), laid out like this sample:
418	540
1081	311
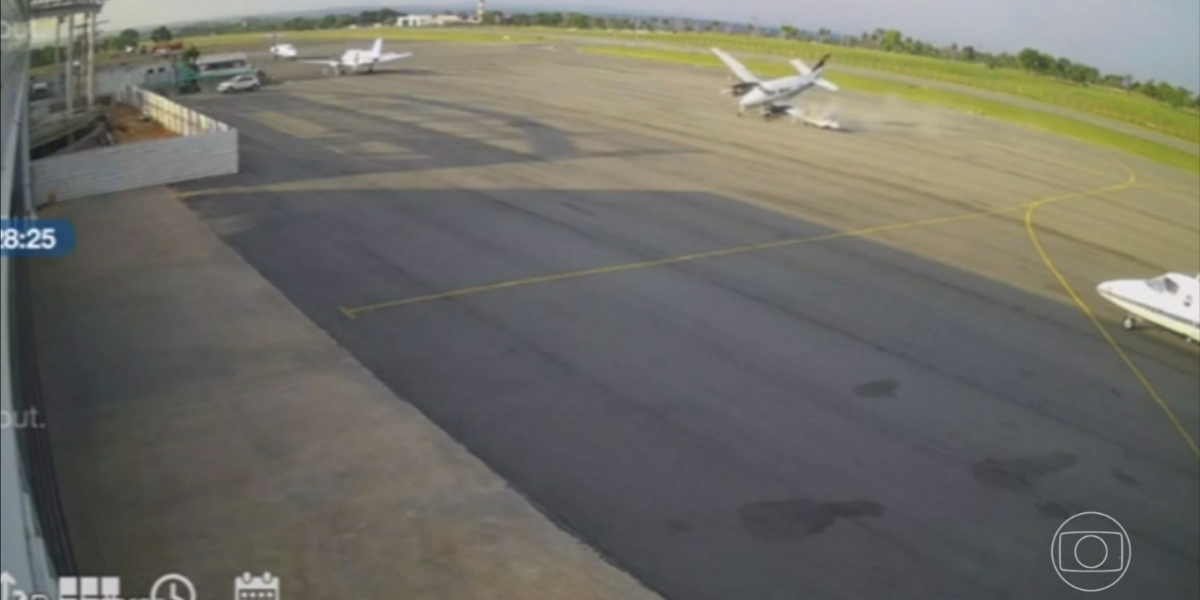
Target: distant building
414	20
165	48
431	20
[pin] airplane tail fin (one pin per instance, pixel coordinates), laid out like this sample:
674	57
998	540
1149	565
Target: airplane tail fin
804	69
821	81
801	68
377	48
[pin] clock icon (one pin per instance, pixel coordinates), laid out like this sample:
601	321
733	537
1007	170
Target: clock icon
173	587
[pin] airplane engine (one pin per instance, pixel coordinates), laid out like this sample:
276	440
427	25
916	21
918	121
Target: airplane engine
740	89
771	112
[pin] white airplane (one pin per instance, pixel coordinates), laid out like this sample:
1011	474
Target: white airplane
283	51
772	96
279	50
1170	301
353	60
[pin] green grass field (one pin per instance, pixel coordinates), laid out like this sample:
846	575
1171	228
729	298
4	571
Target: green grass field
1130	108
1033	118
1115	104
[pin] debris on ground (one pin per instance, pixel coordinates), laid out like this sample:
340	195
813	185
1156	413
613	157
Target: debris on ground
128	125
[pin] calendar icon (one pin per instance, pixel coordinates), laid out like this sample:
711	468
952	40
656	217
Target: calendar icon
256	588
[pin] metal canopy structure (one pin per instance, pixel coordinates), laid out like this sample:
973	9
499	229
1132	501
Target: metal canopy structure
53	9
67	11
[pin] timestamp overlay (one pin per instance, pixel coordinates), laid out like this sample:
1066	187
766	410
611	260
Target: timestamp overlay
38	238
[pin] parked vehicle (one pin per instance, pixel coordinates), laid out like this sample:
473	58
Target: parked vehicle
241	83
166	48
39	90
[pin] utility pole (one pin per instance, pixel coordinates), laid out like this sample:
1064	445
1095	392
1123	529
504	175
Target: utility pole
58	85
91	59
71	65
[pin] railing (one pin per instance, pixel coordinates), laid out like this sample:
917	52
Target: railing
25	559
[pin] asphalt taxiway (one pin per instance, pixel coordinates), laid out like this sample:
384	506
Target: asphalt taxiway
741	359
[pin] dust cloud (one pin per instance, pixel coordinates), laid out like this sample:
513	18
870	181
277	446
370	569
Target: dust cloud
880	115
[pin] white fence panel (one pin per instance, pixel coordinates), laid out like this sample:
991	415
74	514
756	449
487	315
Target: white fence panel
133	166
174	116
207	148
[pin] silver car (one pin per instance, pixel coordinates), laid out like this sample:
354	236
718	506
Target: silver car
241	83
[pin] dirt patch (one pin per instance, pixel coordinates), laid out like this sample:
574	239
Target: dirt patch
127	125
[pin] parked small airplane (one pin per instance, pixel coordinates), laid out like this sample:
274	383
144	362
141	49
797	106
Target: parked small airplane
283	51
353	60
1170	301
279	50
772	96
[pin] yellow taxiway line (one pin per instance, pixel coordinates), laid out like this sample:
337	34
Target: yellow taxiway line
1091	316
354	312
1030	209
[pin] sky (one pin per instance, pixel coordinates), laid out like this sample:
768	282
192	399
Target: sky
1149	39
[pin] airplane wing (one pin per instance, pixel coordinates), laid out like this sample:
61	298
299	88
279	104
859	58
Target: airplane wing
738	68
328	62
390	56
827	84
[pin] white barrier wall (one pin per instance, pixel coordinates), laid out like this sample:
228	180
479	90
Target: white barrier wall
207	148
133	166
174	116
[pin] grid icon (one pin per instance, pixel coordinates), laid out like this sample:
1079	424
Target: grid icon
89	588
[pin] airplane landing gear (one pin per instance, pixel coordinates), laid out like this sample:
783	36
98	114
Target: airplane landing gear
1129	323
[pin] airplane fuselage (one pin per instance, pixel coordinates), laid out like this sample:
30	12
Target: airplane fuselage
776	90
355	59
283	51
1176	310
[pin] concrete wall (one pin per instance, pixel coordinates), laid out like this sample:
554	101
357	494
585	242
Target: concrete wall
207	148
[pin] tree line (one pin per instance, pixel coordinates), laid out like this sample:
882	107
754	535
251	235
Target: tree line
128	38
886	40
366	18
